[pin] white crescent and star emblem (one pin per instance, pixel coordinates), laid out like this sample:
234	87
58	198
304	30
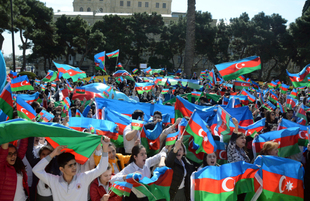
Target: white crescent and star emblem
240	67
297	79
224	185
205	138
301	136
280	184
220	154
23	111
243	84
200	133
70	73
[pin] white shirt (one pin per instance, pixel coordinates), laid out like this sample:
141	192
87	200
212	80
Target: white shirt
115	168
19	192
42	190
77	189
145	171
129	144
106	187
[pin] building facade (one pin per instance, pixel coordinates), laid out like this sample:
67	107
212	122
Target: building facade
123	6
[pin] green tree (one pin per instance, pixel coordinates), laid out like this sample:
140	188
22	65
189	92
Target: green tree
190	37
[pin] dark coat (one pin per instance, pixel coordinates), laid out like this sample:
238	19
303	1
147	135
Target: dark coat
307	177
178	174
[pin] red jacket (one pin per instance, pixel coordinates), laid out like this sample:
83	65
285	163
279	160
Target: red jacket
8	175
96	192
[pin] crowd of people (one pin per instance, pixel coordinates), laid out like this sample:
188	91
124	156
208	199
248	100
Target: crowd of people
31	169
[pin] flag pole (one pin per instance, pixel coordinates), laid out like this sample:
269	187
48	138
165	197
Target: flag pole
187	123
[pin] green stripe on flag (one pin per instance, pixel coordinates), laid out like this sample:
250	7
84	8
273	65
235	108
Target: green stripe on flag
289	150
241	72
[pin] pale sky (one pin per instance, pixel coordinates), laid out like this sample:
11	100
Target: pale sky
219	9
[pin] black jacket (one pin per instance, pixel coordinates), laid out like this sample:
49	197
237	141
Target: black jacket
178	174
307	177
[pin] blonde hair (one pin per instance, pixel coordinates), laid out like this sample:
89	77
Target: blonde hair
268	146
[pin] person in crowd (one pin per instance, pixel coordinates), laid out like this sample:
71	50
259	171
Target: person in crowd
157	117
13	176
169	95
236	145
307	174
209	160
100	188
182	170
270	148
131	136
117	160
70	186
139	163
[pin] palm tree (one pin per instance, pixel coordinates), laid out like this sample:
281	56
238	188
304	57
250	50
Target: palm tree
190	37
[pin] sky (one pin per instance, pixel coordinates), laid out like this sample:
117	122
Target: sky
219	9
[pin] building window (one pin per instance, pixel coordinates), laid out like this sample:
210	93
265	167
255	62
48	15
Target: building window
128	3
121	3
157	5
146	4
164	5
101	10
139	4
81	9
88	9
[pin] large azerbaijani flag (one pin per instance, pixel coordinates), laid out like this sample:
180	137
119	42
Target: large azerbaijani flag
70	72
21	83
121	188
144	87
197	128
232	70
150	139
253	128
6	101
282	178
287	139
223	127
80	144
224	182
50	76
100	61
300	79
154	188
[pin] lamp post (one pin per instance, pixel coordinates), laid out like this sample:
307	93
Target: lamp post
12	30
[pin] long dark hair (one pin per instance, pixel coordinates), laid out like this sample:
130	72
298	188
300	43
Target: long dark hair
134	152
18	165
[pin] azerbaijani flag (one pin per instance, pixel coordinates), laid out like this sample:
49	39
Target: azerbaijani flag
284	88
78	113
119	66
6	101
120	73
100	61
44	116
291	102
224	182
282	109
273	97
155	188
70	72
50	76
272	84
241	78
223	123
120	119
172	138
240	85
269	106
164	91
12	74
150	139
287	139
196	94
69	85
196	127
282	178
137	125
29	98
80	90
92	78
121	188
21	83
301	113
113	54
134	70
232	70
249	95
143	87
255	127
24	110
294	93
300	79
148	71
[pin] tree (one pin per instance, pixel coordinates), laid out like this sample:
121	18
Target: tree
306	6
190	37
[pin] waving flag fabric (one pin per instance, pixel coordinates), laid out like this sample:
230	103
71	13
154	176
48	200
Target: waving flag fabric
6	101
251	97
44	116
29	98
224	182
143	87
223	123
137	125
121	120
100	61
287	139
172	138
301	113
154	188
50	76
2	72
269	106
255	127
273	97
121	73
80	144
148	71
70	72
21	83
300	79
24	110
113	54
234	103
12	74
121	188
150	139
291	102
272	84
302	136
232	70
241	85
135	70
282	178
294	93
284	88
196	127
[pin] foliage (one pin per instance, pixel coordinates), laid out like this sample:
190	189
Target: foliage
29	74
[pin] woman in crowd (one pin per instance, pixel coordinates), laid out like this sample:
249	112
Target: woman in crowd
182	170
236	145
117	160
100	188
209	160
139	163
13	176
270	148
